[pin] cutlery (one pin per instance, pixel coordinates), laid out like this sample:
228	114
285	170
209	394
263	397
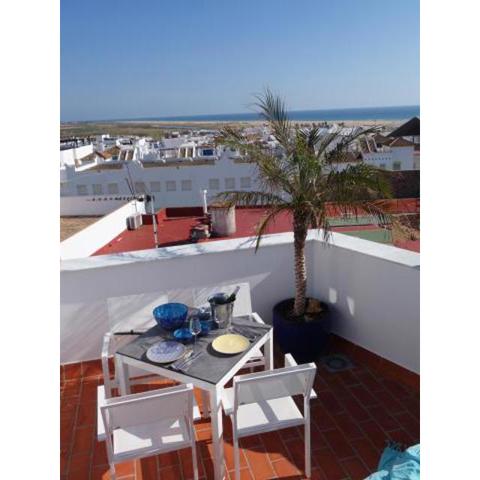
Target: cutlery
178	363
181	364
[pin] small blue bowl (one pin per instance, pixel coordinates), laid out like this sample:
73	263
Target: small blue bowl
171	316
183	334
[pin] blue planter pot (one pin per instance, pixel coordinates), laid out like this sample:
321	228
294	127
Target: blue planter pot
305	340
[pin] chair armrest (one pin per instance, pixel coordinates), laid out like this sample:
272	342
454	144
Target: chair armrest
291	362
257	318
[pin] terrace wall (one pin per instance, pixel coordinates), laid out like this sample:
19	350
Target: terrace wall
95	236
373	288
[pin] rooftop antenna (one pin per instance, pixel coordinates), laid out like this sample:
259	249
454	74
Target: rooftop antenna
131	192
151	200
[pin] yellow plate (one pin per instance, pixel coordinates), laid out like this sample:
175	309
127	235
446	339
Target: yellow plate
230	344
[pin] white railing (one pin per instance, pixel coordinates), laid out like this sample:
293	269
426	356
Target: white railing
373	288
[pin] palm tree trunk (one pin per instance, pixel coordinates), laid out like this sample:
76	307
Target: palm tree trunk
300	235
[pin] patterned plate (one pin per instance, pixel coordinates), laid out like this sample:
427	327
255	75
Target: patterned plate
165	351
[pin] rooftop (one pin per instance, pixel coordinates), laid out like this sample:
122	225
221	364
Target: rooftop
174	226
373	288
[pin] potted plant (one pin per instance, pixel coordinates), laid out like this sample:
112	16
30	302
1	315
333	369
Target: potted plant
302	177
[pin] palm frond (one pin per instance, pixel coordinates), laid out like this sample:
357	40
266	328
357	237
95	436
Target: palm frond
250	198
272	108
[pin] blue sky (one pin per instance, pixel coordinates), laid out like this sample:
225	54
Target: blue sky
127	59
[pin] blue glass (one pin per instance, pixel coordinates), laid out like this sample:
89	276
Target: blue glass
170	316
183	334
207	325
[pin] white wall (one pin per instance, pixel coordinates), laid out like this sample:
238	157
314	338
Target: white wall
68	157
88	205
374	287
95	236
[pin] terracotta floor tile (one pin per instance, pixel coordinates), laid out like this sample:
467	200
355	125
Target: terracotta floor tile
326	461
87	414
286	469
72	371
147	469
100	454
83	439
355	410
374	433
338	443
386	421
125	468
347	436
365	398
229	456
274	445
408	423
170	458
367	451
259	464
170	473
92	368
355	468
100	473
330	402
348	426
388	401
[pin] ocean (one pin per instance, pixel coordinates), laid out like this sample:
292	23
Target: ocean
339	114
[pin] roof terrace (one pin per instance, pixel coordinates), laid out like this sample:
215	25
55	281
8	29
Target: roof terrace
374	291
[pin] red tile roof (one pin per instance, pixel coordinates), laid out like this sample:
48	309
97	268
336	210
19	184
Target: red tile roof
174	226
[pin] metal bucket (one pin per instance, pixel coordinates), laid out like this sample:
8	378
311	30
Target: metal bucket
222	312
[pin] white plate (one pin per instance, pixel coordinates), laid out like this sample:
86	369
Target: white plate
165	351
230	344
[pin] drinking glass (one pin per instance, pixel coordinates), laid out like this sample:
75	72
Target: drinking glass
195	328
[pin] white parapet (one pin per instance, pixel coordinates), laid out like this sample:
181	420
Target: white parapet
373	288
98	234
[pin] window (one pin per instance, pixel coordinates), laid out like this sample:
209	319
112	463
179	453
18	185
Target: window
214	184
171	186
140	187
97	189
397	165
63	188
112	188
383	166
229	183
82	190
207	152
155	186
186	185
245	182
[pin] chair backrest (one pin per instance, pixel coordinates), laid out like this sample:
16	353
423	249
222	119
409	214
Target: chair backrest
134	312
143	408
271	384
243	302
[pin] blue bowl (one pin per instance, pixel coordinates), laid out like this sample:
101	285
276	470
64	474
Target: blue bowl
171	316
183	334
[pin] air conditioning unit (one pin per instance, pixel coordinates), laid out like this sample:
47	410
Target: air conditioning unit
134	221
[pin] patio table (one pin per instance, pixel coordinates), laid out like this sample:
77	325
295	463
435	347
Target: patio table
209	372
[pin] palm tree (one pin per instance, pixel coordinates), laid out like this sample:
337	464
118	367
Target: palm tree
301	178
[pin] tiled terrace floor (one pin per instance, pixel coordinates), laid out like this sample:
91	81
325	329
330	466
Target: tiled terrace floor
356	412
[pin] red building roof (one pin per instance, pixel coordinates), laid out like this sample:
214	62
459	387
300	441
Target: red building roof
174	225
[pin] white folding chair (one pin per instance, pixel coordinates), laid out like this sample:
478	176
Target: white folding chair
146	424
262	402
110	381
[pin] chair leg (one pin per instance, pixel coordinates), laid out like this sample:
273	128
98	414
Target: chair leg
236	456
113	476
205	404
308	459
194	461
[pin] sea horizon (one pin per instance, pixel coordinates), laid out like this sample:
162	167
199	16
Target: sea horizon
334	114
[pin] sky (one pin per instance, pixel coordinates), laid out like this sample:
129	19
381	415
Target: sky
156	58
